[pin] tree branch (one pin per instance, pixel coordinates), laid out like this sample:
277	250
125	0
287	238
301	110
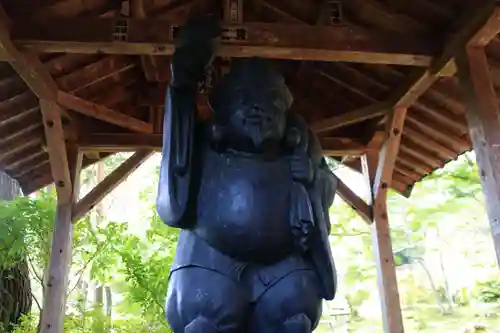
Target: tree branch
87	263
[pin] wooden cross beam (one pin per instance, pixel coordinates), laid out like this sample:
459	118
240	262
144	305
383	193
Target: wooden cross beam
269	40
109	183
351	117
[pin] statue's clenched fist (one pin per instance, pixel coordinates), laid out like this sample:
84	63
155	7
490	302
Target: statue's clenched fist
194	50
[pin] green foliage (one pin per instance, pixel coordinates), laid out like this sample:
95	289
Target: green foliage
444	211
25	229
489	291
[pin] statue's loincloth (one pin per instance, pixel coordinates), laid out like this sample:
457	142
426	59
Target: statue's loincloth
253	278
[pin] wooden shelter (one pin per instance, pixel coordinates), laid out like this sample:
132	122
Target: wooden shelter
393	88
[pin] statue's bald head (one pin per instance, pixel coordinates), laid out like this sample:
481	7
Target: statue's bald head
252	100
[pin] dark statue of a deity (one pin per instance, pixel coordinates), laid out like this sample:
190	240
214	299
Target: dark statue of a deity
250	190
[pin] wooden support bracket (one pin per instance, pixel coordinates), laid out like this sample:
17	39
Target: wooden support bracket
356	203
109	183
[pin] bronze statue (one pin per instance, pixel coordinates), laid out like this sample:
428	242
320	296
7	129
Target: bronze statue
250	190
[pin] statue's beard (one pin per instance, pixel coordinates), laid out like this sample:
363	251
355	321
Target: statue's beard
261	136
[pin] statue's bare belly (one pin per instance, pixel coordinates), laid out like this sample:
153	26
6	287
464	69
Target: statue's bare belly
244	206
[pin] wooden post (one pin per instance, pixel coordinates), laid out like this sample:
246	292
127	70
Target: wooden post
380	181
54	303
483	117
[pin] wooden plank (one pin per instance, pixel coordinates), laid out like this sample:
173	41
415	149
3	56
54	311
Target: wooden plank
54	306
483	116
103	113
356	203
351	117
269	40
111	142
54	136
109	183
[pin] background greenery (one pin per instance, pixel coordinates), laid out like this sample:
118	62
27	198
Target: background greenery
447	272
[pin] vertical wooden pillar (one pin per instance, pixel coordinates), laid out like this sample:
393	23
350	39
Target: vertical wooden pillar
386	271
483	117
378	169
56	287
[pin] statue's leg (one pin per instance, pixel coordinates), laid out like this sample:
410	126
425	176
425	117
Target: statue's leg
200	300
292	305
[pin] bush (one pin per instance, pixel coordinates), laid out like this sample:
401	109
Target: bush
489	291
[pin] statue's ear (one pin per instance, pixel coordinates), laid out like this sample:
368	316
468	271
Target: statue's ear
297	132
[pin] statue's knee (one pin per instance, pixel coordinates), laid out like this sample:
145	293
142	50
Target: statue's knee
201	325
297	324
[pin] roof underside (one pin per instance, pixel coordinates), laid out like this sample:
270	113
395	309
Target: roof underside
435	129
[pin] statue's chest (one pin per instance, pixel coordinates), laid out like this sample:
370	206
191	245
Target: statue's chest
240	189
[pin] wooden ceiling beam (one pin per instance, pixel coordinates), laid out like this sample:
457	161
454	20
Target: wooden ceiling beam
424	140
412	163
432	130
442	115
102	113
111	142
84	77
269	40
351	117
474	21
337	146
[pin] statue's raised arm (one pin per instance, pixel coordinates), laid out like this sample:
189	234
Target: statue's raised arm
194	51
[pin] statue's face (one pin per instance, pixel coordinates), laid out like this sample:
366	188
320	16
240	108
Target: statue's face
252	106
